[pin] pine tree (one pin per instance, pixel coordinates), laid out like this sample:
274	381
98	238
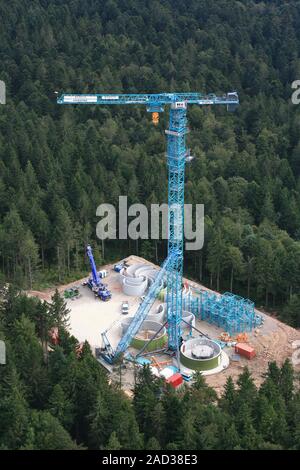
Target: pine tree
153	444
49	433
29	360
229	397
145	401
291	312
58	311
216	257
200	391
247	392
173	412
100	425
273	373
250	439
229	437
61	407
113	442
14	410
30	255
287	381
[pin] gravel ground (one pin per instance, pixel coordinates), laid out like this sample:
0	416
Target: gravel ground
90	316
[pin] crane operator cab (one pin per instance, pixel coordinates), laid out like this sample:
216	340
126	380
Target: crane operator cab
232	96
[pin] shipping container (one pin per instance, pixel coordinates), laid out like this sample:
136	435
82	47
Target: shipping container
245	350
175	380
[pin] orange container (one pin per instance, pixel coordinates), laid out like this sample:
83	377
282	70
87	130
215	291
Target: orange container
245	350
175	380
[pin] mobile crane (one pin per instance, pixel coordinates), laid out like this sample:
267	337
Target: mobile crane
94	282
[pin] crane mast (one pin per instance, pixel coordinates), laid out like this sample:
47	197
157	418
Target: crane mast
172	268
176	150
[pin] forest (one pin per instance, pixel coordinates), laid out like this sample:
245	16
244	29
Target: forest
57	164
53	397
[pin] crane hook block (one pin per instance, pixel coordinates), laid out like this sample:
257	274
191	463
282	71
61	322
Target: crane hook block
155	118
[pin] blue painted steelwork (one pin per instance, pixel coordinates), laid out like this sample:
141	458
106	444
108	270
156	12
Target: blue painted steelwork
176	162
191	304
94	282
95	275
177	157
141	313
154	102
230	312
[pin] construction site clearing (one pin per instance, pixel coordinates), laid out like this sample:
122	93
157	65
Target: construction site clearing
89	317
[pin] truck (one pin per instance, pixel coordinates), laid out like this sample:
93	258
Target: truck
72	293
104	295
101	291
118	267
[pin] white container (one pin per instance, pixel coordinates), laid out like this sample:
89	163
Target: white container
154	371
167	372
103	273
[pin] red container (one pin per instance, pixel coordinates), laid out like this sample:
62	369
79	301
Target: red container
245	350
175	380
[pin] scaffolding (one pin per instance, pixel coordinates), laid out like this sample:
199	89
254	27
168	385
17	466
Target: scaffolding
232	313
191	303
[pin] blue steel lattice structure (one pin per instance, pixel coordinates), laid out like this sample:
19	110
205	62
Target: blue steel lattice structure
230	312
176	168
177	156
145	306
154	102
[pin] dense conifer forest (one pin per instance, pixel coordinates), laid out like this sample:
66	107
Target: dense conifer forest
57	164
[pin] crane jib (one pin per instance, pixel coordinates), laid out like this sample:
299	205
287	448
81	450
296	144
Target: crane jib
230	99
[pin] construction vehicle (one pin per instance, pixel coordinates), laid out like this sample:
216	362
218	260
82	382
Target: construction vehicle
94	283
72	293
107	351
119	266
177	157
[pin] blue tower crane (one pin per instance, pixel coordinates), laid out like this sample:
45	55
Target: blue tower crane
177	154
